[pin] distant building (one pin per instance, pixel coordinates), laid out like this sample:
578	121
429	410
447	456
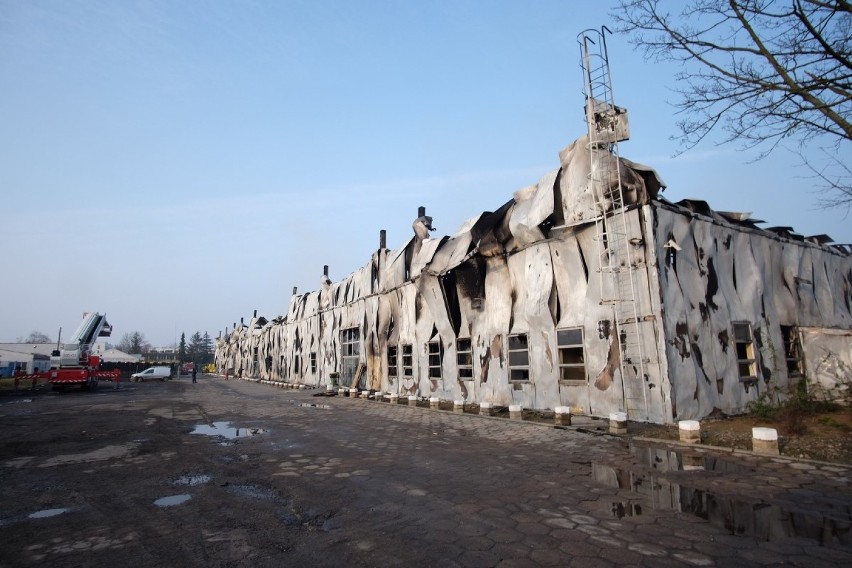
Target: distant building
28	357
113	355
161	355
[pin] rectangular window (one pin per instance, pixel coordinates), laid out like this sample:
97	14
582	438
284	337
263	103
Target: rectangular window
464	359
350	342
792	352
436	354
746	361
519	358
572	363
393	364
407	362
314	362
296	364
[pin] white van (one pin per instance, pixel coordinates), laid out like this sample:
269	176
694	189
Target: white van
161	373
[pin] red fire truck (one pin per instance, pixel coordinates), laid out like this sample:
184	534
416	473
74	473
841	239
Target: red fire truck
73	363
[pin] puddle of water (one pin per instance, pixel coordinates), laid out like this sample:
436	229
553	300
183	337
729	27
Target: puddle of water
225	430
192	480
43	514
172	500
664	459
309	405
737	514
22	401
626	509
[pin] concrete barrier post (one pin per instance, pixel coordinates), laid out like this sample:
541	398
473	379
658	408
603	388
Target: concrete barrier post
764	441
394	398
562	415
485	408
353	393
458	406
690	431
342	392
434	402
618	423
516	412
412	400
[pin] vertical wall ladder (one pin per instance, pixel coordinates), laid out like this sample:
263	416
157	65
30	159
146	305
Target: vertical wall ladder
618	278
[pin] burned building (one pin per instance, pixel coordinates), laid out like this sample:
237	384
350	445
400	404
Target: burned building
587	289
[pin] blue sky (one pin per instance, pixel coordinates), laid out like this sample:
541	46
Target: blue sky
179	164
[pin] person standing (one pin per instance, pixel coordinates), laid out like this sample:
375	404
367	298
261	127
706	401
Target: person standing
194	373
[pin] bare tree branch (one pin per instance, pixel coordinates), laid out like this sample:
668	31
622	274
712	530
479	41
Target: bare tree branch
763	72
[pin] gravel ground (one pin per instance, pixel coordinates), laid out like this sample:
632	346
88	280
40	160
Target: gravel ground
822	437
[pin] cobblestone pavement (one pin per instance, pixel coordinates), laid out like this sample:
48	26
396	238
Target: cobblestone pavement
328	481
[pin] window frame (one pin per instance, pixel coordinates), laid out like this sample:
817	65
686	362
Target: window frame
792	350
393	362
350	342
434	359
747	356
518	366
571	348
464	359
407	355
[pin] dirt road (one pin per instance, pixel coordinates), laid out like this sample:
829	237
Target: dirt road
239	474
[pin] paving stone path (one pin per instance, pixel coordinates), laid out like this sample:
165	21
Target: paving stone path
297	479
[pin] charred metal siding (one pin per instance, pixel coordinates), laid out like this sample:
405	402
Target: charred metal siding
533	268
725	274
534	290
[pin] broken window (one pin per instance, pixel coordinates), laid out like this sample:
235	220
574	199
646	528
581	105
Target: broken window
746	361
572	363
407	362
436	354
314	362
393	365
519	358
792	351
464	359
296	361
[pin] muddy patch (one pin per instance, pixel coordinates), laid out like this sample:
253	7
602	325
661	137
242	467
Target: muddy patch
102	454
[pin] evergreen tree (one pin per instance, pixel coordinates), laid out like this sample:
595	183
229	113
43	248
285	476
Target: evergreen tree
182	348
208	348
196	345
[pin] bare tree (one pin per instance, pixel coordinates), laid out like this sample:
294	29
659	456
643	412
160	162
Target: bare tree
35	337
134	342
765	72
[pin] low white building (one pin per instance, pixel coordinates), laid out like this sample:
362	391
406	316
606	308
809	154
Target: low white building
29	357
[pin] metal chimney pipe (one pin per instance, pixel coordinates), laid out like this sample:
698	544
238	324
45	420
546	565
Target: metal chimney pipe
421	211
295	290
325	270
255	314
383	241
